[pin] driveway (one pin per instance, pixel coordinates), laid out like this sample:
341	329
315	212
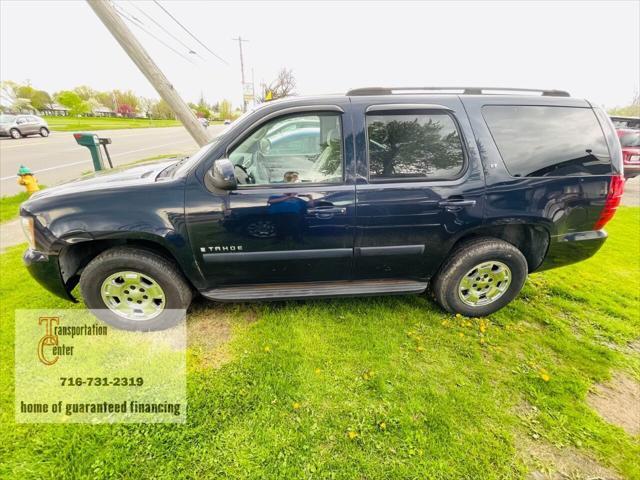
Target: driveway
59	158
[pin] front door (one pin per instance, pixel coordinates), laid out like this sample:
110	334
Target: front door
291	217
419	185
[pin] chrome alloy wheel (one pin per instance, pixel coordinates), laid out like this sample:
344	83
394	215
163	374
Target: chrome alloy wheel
133	295
484	283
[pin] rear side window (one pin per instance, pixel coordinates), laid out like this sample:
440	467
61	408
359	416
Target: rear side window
413	146
538	141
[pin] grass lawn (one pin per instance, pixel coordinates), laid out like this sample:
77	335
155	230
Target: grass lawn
10	206
384	387
74	124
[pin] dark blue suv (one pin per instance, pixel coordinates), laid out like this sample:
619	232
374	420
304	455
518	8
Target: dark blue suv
461	192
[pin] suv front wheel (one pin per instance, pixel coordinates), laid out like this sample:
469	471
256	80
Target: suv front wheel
480	277
135	289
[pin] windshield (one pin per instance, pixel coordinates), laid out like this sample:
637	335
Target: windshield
630	139
7	118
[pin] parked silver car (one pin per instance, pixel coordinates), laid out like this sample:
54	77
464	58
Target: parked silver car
18	126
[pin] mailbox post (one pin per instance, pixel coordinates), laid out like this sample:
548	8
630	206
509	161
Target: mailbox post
92	142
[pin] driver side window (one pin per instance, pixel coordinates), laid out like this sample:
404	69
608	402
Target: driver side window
300	148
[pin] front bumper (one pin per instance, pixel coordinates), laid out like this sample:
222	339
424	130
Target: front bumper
45	268
572	248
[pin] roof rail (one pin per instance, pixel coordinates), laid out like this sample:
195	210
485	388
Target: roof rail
453	90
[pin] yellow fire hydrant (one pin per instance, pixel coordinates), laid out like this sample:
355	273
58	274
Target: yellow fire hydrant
27	179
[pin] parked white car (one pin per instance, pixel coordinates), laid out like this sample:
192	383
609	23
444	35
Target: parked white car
18	126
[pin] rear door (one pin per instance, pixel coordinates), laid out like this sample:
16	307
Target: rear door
419	185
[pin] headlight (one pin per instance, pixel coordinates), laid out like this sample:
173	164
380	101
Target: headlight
28	228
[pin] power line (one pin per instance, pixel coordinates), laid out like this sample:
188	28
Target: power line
191	34
189	49
138	24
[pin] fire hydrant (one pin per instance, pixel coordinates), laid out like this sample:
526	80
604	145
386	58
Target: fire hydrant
27	179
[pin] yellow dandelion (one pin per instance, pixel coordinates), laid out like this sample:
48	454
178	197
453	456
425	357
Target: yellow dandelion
317	370
458	315
267	348
419	348
295	405
545	377
445	323
482	341
383	426
352	435
461	334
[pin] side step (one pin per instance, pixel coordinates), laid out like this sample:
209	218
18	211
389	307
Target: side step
280	291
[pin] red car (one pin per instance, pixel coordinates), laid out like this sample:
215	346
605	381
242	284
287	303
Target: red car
630	142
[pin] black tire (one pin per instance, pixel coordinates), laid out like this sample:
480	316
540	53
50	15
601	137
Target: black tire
176	289
44	132
15	133
464	258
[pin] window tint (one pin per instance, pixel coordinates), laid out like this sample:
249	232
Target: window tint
292	149
537	141
413	145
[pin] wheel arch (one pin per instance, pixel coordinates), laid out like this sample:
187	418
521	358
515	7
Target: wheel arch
531	239
75	257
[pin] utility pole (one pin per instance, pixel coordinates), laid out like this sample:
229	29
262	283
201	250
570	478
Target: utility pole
107	14
240	40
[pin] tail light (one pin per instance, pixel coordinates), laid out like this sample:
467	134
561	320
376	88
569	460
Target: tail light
616	187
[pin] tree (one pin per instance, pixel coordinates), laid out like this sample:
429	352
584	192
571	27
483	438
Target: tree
283	86
145	105
125	110
162	110
128	98
41	100
38	99
20	105
8	89
73	102
631	110
85	92
107	99
224	110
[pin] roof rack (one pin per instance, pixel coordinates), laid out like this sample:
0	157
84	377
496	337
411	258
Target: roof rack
453	90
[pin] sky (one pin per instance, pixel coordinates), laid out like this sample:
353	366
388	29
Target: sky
591	49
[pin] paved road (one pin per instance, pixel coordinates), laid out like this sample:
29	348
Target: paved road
59	158
631	195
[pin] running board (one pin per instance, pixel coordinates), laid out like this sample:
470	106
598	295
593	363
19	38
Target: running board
281	291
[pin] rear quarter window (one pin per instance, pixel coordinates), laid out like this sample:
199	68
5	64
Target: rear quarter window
540	141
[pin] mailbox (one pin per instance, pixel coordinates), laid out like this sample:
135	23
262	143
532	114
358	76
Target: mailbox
92	142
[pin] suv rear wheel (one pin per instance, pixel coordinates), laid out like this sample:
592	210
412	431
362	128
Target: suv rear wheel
480	277
15	133
44	132
135	289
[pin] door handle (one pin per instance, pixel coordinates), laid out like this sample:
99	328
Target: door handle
327	212
456	203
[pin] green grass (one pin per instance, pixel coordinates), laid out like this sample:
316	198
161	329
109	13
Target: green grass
74	124
10	206
426	395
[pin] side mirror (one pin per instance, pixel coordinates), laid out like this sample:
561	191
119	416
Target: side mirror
222	175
